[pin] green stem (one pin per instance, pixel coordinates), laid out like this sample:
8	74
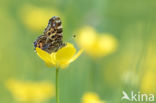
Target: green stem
57	84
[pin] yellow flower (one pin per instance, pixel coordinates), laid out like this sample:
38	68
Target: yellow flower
91	98
30	91
62	58
94	44
148	84
36	18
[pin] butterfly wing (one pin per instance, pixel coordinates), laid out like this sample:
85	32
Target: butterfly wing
54	27
54	35
51	40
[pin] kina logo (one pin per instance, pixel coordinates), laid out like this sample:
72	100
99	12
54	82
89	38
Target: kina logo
139	97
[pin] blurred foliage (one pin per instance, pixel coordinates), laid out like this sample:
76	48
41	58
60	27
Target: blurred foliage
130	67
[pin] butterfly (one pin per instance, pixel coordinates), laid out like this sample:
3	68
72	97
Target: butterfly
51	39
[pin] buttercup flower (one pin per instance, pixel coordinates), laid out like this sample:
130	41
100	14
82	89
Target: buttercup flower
62	58
95	44
35	92
91	98
36	18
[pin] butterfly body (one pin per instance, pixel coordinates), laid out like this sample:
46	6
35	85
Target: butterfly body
51	39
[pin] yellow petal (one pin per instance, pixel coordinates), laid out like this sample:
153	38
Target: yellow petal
65	54
63	66
53	59
76	55
62	58
46	57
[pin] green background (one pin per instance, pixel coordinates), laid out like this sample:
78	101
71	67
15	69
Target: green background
132	23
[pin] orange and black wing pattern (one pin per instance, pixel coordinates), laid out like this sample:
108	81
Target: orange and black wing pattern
51	39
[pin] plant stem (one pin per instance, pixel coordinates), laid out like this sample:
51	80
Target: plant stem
57	85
